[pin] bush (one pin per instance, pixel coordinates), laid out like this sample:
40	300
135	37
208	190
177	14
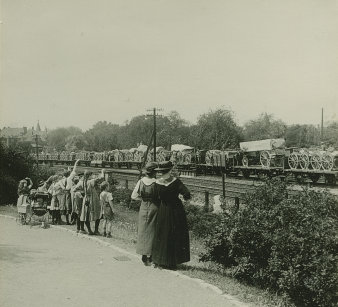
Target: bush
16	164
122	195
287	243
199	221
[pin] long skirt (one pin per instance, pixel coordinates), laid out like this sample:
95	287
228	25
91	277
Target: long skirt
78	202
84	213
146	228
62	202
171	241
54	205
68	202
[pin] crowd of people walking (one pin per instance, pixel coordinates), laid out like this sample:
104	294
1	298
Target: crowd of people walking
163	237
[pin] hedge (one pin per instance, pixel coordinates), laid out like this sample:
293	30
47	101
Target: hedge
286	243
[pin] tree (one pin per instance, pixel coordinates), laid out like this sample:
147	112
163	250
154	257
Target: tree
57	138
75	142
217	130
302	136
264	127
138	130
331	134
103	136
175	130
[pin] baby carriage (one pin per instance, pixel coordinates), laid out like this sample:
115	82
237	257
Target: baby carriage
39	211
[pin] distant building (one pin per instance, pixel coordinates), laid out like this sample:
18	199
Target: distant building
12	136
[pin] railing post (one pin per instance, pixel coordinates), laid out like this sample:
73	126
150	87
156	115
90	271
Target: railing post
206	201
126	184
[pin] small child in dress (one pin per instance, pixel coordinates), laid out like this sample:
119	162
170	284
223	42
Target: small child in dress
106	199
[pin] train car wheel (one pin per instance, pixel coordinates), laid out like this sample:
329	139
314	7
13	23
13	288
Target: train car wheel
327	162
293	160
304	161
316	162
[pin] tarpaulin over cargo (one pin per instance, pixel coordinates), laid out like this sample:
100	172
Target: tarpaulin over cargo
180	147
142	148
268	144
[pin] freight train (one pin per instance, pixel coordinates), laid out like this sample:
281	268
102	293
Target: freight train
260	158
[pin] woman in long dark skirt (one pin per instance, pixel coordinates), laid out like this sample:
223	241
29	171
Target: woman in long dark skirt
171	243
145	190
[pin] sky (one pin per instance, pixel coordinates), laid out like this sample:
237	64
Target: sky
76	62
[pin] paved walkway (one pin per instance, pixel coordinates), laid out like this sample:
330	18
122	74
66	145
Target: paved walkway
52	267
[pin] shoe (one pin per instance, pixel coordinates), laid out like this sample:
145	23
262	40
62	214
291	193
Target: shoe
109	235
68	223
77	231
83	231
90	233
96	233
104	234
144	259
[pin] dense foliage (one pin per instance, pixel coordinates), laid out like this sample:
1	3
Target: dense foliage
15	165
200	222
264	127
216	129
287	243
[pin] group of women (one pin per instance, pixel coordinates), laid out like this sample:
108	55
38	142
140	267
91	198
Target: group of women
163	237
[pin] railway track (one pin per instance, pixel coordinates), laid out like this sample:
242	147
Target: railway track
212	185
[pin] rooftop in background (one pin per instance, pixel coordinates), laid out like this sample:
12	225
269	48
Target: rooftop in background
9	135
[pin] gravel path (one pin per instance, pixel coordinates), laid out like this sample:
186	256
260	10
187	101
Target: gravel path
54	267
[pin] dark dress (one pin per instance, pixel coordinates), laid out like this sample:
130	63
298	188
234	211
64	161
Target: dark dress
171	242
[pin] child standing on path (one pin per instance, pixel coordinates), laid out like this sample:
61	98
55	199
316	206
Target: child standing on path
107	213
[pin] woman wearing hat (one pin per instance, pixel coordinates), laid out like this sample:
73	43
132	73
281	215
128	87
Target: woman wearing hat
146	191
171	242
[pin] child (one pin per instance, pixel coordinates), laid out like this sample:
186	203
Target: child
54	190
106	199
78	203
23	203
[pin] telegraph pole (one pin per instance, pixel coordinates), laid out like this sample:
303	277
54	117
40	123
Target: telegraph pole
154	110
322	127
37	150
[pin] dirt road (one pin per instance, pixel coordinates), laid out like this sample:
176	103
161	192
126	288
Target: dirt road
52	267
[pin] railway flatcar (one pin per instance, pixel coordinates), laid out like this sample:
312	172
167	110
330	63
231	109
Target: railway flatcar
263	158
